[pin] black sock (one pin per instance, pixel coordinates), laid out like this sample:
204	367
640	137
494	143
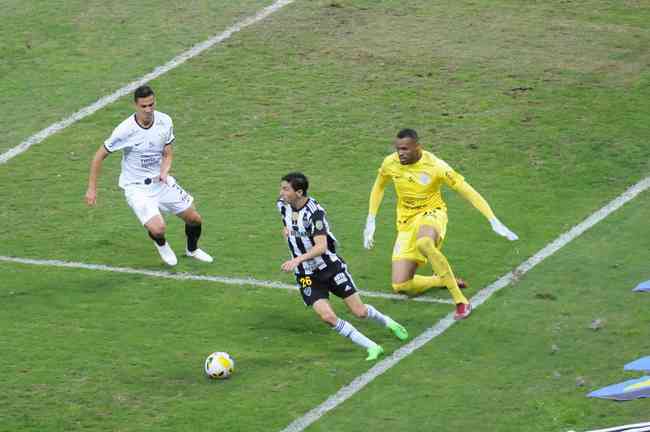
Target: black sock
193	233
160	240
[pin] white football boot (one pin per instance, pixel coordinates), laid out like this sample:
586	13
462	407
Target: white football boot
199	255
167	254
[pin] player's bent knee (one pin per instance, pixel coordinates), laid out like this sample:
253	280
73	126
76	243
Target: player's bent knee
196	219
425	244
157	230
191	217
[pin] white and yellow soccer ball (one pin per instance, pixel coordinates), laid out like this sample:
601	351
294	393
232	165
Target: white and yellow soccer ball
219	365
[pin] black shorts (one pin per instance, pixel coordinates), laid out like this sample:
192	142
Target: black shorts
335	280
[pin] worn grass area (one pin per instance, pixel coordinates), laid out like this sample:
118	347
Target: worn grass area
541	106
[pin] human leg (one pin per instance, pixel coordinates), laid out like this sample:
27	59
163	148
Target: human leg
366	311
405	281
193	228
426	244
324	310
144	203
406	259
174	199
156	230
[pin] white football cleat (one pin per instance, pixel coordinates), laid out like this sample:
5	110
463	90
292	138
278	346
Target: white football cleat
199	255
167	254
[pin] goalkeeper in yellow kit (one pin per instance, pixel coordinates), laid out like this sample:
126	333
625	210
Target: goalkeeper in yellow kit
418	176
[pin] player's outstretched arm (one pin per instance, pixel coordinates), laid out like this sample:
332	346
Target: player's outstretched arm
95	169
475	198
376	197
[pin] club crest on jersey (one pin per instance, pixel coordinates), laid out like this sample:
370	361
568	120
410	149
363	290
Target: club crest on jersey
307	291
319	225
425	179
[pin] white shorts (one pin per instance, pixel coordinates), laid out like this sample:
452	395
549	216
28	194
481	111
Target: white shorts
147	201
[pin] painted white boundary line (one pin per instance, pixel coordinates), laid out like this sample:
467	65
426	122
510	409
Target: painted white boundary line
361	381
158	71
188	276
627	428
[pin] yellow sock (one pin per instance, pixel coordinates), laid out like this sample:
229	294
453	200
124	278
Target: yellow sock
440	267
429	282
404	288
418	285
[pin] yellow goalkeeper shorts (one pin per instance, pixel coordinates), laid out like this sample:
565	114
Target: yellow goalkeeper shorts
407	231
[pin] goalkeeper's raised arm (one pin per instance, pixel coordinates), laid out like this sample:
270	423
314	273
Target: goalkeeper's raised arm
458	183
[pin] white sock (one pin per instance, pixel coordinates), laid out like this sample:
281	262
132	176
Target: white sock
375	315
346	329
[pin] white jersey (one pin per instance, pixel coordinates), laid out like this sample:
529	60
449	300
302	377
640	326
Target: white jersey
142	147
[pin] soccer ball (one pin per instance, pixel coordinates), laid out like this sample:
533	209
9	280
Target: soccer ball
219	365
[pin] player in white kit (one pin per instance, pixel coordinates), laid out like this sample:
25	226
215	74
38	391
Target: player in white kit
145	139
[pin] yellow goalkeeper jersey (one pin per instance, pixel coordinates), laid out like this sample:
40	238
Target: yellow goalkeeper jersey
418	185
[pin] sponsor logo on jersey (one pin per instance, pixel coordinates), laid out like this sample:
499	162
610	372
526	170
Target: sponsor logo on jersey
149	161
340	279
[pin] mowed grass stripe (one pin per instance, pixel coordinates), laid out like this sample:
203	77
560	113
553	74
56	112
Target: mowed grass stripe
128	88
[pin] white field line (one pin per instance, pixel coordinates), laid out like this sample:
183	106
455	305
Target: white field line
636	427
188	276
379	368
641	429
158	71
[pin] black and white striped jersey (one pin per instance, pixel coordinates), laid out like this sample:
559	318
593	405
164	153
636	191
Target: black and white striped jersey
302	225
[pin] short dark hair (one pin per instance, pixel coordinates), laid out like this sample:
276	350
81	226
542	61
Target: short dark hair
142	92
408	133
298	181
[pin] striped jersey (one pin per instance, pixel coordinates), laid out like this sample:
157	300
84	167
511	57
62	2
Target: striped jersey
302	225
